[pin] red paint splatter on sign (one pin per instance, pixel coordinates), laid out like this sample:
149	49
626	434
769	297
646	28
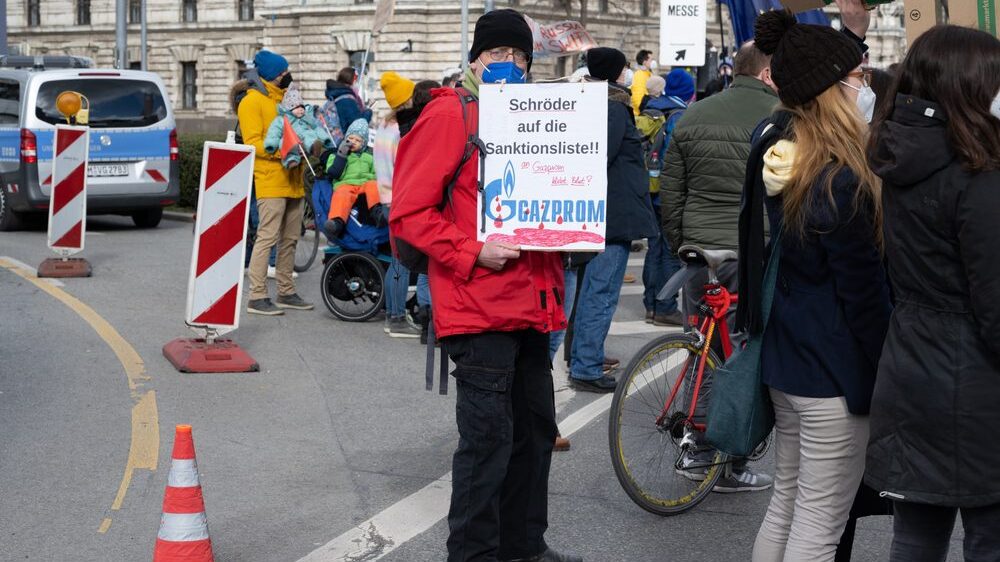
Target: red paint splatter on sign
545	238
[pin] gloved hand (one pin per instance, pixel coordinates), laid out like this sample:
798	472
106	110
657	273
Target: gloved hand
344	149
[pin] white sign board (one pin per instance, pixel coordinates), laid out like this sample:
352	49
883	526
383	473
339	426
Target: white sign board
545	175
682	32
559	39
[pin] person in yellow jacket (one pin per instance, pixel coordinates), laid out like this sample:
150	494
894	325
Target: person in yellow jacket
647	65
279	191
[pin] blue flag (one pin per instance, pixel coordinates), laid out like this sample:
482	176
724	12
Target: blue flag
743	14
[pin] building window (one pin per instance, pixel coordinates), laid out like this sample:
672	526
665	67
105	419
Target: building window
602	6
189	85
135	11
33	11
82	12
135	65
245	10
644	7
241	70
190	11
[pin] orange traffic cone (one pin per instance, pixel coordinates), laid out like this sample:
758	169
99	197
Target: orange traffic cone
183	535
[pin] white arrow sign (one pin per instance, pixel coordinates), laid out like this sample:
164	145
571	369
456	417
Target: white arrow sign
682	32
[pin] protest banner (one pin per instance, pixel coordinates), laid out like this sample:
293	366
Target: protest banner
560	38
544	176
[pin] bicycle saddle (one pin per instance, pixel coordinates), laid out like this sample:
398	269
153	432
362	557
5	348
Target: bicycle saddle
691	254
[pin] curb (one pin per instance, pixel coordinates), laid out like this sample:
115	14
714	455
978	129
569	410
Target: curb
178	216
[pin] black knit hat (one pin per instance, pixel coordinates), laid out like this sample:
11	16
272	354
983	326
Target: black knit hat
502	28
605	63
805	59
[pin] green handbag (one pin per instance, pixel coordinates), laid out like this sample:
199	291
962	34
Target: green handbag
740	414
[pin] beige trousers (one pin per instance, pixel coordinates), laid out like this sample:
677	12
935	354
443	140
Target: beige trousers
819	450
280	223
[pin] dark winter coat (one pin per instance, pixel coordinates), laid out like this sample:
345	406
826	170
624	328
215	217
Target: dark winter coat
936	410
706	164
629	212
831	304
349	106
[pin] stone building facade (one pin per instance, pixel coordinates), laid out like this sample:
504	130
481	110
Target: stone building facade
200	47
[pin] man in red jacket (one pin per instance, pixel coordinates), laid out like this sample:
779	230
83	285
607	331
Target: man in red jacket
494	307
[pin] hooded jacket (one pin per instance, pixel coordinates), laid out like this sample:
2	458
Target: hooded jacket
630	213
467	298
307	128
936	409
349	106
271	179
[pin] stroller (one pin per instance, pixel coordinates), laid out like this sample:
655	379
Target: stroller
355	265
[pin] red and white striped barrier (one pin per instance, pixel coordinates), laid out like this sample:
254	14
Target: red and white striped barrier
68	204
215	284
183	535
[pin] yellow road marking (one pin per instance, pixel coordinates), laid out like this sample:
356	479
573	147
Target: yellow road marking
145	445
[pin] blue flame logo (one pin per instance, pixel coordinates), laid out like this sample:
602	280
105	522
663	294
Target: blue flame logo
498	193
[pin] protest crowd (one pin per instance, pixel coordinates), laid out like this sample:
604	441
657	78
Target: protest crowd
880	190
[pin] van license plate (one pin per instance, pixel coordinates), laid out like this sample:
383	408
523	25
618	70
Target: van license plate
107	170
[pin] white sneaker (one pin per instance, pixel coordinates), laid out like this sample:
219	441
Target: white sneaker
743	481
272	273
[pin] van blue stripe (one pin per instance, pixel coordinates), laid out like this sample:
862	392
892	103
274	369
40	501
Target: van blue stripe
10	144
114	144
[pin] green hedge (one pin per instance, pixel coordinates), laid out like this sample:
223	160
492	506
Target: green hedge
191	151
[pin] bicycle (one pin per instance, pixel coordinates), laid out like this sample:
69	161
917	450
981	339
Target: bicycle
308	245
654	416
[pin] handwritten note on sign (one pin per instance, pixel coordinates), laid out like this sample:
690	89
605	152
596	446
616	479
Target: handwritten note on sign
545	176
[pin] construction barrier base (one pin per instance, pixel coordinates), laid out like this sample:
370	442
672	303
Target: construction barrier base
65	267
195	355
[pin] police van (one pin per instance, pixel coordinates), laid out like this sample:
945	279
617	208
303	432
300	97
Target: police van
133	167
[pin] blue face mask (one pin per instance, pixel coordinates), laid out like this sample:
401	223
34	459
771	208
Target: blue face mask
506	72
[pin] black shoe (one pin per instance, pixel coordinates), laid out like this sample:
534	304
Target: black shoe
332	228
293	301
603	385
675	318
263	307
380	214
549	556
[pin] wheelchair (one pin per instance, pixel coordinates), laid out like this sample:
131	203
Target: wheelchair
355	265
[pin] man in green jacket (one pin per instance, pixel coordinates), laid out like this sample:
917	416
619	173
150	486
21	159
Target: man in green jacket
700	191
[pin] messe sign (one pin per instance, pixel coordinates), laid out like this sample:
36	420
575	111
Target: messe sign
683	25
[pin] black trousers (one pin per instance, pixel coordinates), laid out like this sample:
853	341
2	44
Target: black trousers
922	533
506	424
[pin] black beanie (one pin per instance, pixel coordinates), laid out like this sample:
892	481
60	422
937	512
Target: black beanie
805	59
605	63
502	28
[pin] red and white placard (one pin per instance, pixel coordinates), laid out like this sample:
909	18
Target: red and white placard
215	285
68	203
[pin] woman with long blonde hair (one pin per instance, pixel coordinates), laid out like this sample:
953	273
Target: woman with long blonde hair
823	337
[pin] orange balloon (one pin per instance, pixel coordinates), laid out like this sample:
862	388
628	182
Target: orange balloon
69	103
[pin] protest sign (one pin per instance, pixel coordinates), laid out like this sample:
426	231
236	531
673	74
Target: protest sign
559	39
682	32
544	177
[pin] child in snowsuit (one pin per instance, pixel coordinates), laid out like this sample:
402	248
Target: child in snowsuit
352	172
310	131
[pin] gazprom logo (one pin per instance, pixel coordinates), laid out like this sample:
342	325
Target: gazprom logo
501	205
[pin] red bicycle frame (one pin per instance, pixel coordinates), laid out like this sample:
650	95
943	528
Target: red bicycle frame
719	300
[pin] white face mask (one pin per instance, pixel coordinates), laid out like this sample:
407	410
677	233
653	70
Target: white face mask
866	101
995	106
628	77
653	65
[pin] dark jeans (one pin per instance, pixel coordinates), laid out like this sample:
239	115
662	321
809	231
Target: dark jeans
922	533
506	424
660	265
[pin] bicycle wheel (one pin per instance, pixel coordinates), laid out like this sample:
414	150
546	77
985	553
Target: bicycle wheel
646	437
308	244
353	286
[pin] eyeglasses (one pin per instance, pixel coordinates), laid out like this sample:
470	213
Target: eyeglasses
502	54
864	75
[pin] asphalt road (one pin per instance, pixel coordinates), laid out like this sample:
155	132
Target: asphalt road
332	438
